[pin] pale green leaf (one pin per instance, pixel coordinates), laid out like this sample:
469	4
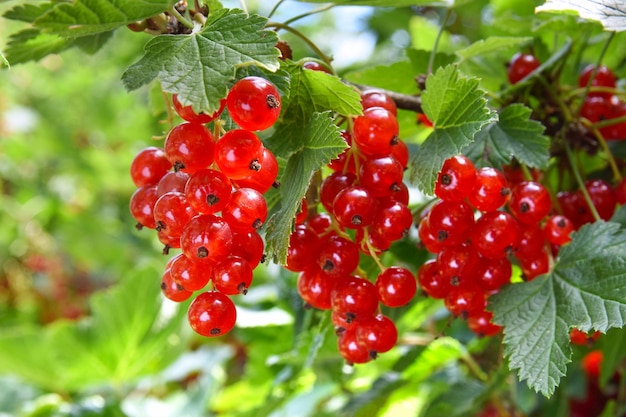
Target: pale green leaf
388	3
458	110
125	337
398	77
613	347
492	44
513	135
611	13
33	45
28	12
320	141
586	289
199	67
87	17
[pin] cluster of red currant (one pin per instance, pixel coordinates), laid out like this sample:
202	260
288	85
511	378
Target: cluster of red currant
365	202
205	196
485	216
600	102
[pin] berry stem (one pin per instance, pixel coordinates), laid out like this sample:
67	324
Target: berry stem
433	52
309	13
278	26
182	19
275	8
580	182
605	47
372	252
617	176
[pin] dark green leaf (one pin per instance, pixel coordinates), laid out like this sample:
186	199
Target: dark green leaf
319	142
513	135
458	110
199	67
92	44
87	17
586	289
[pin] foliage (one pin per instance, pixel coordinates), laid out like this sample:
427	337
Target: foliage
83	329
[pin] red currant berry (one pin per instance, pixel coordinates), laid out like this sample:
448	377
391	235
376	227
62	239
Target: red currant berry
238	153
246	210
431	281
208	191
480	323
603	77
350	349
377	333
171	289
456	179
376	132
315	66
314	286
149	166
354	207
303	241
189	147
171	213
142	206
490	190
173	181
465	301
206	239
212	314
253	103
189	274
332	185
354	297
381	175
263	179
232	276
396	286
520	66
529	202
187	112
451	221
495	234
557	229
338	256
375	98
249	246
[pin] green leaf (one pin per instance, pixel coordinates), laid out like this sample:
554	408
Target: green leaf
87	17
198	67
611	13
613	347
28	12
386	3
399	77
513	135
92	44
586	289
492	44
33	45
458	110
125	337
320	141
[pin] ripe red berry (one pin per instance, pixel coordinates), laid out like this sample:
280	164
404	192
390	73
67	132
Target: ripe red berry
314	286
212	314
376	132
375	98
603	77
520	66
456	179
529	202
232	276
490	190
238	153
189	147
149	166
495	233
396	286
206	239
142	206
354	207
246	211
354	297
208	191
377	333
557	229
253	103
187	112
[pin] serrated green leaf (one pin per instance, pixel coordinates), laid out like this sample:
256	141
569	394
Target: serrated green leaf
513	135
310	92
32	45
320	141
458	110
199	66
92	43
124	338
586	289
87	17
28	12
491	44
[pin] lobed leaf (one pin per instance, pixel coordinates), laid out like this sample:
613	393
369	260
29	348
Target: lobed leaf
320	141
586	289
33	45
198	67
87	17
458	110
513	135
